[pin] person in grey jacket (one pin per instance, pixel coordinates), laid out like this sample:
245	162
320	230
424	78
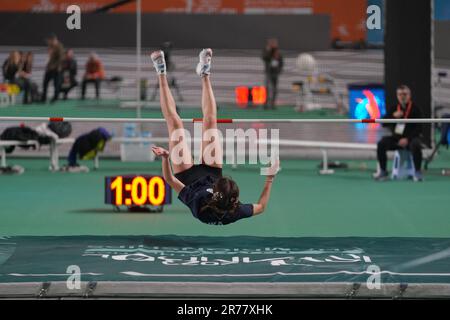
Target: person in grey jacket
273	66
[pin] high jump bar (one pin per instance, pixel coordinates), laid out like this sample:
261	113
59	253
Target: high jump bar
194	120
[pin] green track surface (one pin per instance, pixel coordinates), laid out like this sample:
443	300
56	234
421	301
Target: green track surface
303	204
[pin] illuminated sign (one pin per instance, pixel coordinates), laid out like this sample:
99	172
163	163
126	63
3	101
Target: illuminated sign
137	190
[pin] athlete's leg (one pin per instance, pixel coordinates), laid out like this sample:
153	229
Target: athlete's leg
212	153
181	158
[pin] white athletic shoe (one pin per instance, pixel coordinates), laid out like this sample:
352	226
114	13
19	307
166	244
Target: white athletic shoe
159	62
80	169
12	170
204	65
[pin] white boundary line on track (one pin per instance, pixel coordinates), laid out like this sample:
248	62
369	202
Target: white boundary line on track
138	274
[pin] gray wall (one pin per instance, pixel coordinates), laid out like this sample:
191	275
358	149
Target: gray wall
299	32
442	39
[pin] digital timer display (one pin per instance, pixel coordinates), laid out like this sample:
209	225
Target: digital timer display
137	190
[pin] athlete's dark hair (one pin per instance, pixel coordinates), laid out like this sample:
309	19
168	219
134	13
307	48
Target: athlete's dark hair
225	198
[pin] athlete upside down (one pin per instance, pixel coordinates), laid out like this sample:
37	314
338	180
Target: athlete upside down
211	197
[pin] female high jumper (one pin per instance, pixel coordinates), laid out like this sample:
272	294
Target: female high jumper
212	198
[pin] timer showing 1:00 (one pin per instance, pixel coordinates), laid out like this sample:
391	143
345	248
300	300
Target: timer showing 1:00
137	190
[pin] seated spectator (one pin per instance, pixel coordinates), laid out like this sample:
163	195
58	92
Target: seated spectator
24	78
404	136
11	67
69	72
94	74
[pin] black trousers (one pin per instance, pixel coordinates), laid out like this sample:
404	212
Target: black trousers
96	82
391	143
67	89
26	86
56	77
272	89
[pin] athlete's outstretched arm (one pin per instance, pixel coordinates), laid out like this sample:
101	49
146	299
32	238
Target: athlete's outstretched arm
260	207
173	182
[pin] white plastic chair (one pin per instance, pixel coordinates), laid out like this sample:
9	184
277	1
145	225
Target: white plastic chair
403	166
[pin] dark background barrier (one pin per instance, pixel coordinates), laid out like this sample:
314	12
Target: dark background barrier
408	53
186	31
442	39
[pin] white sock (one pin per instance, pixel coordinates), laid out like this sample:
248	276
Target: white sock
204	65
159	62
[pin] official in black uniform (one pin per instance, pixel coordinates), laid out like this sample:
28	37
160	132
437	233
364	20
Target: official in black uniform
404	136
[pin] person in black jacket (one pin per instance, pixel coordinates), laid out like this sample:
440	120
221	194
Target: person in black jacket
10	67
17	70
273	65
404	136
69	73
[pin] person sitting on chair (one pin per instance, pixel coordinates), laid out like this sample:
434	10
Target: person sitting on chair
94	74
28	86
404	136
11	67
